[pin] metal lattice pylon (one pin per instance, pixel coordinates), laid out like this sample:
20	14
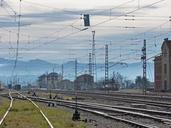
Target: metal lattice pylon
106	65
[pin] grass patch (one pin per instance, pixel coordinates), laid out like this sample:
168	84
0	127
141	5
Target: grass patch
59	96
24	115
131	91
3	106
61	118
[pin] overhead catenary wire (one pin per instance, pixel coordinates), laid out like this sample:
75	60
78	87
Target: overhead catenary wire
14	12
71	34
74	12
111	8
65	36
129	12
18	39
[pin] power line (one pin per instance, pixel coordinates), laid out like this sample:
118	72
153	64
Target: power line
144	59
111	8
108	20
127	13
74	12
106	65
18	38
11	8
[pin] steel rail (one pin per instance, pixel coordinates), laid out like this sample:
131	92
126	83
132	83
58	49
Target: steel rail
128	100
90	110
106	108
106	115
42	113
8	110
118	94
104	105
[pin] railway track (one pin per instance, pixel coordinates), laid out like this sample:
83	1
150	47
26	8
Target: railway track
97	112
128	110
104	110
8	110
106	115
39	109
117	98
117	94
25	98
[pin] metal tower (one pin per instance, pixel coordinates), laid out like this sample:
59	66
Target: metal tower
90	64
53	79
106	65
93	56
62	70
143	58
76	114
75	68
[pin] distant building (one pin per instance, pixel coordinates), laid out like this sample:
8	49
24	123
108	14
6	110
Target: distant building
9	86
42	81
66	85
84	82
17	87
163	68
157	73
50	81
53	80
166	65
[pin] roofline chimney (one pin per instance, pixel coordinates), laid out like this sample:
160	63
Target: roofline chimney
166	39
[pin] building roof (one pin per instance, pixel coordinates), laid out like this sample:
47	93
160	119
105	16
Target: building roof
167	43
50	75
84	77
42	76
54	74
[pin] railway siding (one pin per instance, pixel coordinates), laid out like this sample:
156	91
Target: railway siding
8	110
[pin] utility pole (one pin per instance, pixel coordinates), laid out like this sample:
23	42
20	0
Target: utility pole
90	64
62	71
53	79
47	80
75	69
106	66
76	114
48	86
10	39
18	39
143	58
93	57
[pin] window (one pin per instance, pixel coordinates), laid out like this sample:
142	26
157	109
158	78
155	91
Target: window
164	52
165	85
165	68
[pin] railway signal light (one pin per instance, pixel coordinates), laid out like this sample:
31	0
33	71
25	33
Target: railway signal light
86	20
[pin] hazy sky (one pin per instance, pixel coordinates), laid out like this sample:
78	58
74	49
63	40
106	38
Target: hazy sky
50	29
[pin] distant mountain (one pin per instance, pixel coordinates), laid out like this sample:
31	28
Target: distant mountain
38	62
30	70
